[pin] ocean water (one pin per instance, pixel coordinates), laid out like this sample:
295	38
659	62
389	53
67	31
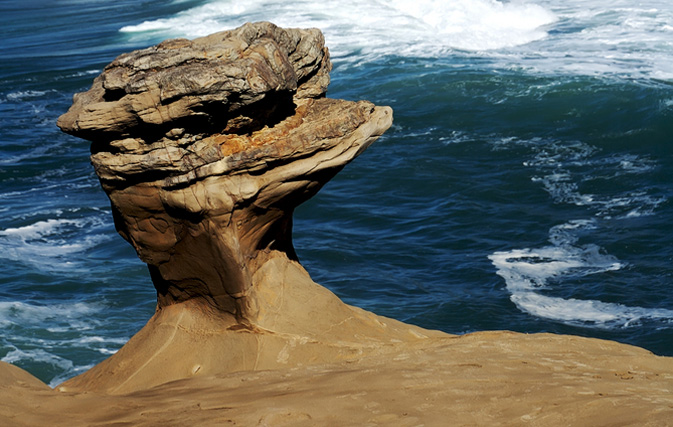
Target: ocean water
525	185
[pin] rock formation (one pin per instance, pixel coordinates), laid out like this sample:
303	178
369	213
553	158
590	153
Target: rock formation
205	148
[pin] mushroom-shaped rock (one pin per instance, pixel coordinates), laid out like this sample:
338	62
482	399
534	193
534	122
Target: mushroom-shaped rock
205	147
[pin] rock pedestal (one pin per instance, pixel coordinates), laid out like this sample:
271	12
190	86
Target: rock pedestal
205	148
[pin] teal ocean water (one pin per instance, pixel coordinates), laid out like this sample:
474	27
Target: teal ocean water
525	185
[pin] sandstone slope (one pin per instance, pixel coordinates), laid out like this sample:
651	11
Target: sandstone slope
481	379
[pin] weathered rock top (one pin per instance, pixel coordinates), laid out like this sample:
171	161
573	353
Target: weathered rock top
182	86
232	101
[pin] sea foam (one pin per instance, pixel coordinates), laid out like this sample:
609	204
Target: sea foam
598	37
423	28
533	274
43	337
529	273
71	315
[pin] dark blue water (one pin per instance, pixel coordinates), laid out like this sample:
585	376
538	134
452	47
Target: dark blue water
525	183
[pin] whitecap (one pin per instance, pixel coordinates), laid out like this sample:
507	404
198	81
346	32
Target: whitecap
69	373
478	25
86	73
587	312
619	38
530	274
27	94
562	166
574	37
93	340
39	229
456	137
72	316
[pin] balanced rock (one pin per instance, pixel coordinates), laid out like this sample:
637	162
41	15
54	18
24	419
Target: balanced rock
205	148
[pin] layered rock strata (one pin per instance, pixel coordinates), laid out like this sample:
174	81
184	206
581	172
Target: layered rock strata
205	148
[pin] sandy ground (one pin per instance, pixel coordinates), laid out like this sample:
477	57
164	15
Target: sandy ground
487	378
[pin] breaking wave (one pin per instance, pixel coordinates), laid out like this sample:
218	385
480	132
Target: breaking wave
573	37
424	28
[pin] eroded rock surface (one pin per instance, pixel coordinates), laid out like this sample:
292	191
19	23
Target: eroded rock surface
205	147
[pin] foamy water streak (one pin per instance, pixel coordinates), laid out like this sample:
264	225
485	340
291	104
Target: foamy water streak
71	315
620	38
527	273
561	167
531	273
69	327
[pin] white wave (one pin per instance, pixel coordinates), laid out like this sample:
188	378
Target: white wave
633	164
92	340
27	94
595	313
86	73
38	229
564	189
619	38
616	38
422	28
69	373
33	346
24	155
65	366
479	24
563	166
531	273
455	137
